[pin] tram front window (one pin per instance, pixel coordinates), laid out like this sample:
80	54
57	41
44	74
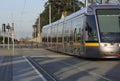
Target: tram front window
109	24
91	30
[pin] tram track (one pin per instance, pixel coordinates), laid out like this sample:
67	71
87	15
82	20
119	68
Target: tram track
54	77
60	67
49	76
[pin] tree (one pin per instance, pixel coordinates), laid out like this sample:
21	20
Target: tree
57	8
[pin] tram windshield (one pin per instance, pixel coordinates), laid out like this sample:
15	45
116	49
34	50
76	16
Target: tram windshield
109	24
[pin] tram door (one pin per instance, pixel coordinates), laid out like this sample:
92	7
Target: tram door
68	42
82	43
79	45
78	41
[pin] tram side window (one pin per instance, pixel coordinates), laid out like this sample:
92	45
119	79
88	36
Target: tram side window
67	31
44	35
71	32
49	34
60	26
53	34
76	35
91	30
77	28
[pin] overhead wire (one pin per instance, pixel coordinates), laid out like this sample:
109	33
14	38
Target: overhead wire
23	7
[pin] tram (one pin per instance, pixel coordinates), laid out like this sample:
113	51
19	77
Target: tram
92	32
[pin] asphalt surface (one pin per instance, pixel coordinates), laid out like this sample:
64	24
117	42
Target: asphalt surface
69	68
52	66
15	67
6	70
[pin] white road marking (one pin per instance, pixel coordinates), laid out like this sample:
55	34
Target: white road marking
40	75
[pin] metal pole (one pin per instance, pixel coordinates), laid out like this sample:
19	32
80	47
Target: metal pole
3	31
3	39
86	3
49	13
8	27
50	21
39	29
8	40
13	45
13	33
35	34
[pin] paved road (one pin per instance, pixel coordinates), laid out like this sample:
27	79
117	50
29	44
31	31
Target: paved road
67	68
15	67
6	68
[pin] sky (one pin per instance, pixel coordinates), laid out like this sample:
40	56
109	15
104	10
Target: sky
23	13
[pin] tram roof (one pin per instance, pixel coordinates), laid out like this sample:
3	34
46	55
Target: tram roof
88	10
104	6
75	14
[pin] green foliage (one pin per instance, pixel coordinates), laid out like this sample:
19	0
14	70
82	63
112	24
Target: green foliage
57	8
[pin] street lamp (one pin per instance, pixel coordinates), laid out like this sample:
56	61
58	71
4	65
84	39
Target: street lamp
49	13
35	30
3	31
8	27
39	29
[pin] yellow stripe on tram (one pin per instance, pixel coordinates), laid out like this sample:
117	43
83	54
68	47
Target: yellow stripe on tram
86	44
75	43
91	44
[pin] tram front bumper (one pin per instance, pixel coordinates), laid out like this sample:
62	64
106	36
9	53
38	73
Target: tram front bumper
110	50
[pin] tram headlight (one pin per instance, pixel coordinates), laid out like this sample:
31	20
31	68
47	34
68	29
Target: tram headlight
103	44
